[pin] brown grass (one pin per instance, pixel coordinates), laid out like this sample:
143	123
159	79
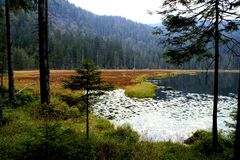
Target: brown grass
125	78
119	78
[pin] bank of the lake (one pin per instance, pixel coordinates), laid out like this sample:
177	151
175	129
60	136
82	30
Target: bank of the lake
177	110
29	135
143	89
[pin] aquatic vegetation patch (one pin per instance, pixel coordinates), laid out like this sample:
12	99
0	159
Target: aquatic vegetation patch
141	90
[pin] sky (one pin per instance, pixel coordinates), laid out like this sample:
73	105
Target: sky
135	10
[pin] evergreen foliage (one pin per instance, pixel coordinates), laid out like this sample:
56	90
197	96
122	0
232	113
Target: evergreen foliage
192	27
6	39
76	34
89	80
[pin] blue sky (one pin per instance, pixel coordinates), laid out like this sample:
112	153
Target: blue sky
135	10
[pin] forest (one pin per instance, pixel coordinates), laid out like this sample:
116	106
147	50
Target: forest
111	42
75	85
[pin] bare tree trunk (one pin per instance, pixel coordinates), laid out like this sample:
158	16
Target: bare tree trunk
1	107
9	54
215	101
237	133
43	51
1	90
1	102
87	119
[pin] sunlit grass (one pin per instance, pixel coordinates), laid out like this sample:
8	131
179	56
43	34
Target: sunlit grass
148	90
141	78
166	75
142	90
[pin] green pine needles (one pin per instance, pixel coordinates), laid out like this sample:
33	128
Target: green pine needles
88	78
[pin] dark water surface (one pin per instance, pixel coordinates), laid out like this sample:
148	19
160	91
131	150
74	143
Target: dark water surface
201	83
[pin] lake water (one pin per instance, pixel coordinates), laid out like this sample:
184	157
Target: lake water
201	83
183	105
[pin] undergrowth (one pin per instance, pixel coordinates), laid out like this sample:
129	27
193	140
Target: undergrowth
30	135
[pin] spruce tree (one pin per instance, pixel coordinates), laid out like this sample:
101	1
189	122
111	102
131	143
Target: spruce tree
88	78
193	28
13	5
2	56
9	53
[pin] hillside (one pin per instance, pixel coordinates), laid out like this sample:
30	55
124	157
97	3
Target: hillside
68	17
77	34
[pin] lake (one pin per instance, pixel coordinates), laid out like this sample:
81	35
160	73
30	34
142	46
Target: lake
183	105
200	83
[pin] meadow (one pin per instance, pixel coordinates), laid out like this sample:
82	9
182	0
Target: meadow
124	79
30	133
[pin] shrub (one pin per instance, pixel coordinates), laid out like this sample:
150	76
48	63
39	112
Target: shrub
74	101
232	125
103	125
51	142
25	97
119	143
107	86
21	98
201	142
57	109
4	121
110	148
124	134
71	100
198	135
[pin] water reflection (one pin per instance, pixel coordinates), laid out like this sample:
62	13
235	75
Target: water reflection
201	83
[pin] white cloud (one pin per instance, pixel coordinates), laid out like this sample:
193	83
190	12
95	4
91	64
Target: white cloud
135	10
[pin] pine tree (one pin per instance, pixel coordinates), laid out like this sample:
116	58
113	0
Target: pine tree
2	56
9	53
1	83
192	27
88	79
13	5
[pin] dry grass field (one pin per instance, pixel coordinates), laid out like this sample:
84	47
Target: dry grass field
119	78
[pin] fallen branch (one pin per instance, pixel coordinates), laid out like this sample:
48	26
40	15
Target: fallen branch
24	89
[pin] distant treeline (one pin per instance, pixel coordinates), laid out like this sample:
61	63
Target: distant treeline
76	34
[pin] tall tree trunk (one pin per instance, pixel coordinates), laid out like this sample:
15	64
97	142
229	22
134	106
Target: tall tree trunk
1	102
1	90
215	101
43	51
87	119
237	133
1	106
9	54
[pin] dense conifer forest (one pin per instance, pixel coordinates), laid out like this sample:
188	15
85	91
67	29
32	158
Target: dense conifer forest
75	85
76	34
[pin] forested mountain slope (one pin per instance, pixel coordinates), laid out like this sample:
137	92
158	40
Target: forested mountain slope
76	34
